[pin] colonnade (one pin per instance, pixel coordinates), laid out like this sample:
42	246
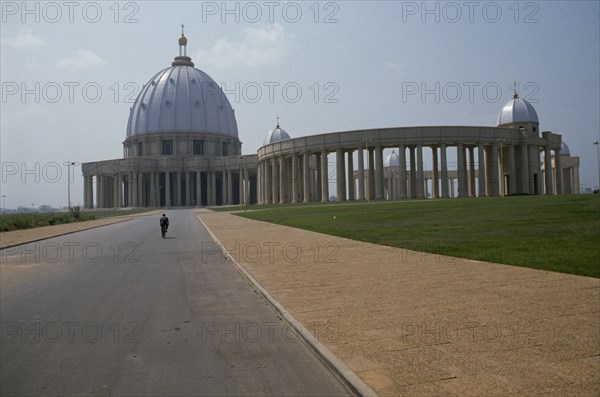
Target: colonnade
483	169
169	189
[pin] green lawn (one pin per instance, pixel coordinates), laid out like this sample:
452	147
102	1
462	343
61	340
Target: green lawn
559	233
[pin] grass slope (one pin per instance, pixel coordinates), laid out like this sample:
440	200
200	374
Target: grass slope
558	233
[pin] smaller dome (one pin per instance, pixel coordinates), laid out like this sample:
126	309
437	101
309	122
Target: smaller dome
564	150
391	160
517	110
183	40
276	134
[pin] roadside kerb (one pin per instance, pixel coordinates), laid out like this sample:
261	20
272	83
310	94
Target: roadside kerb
345	374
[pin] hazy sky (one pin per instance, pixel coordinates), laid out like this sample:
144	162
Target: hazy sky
70	70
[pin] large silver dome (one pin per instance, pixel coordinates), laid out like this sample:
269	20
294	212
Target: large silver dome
517	110
181	98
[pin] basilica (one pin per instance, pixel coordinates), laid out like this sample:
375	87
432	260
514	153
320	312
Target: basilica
182	149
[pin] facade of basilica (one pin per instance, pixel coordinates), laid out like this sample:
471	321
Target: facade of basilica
182	149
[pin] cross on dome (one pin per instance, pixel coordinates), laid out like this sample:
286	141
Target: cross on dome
182	59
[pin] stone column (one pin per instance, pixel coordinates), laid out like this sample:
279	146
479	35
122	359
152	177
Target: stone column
481	166
152	202
490	178
91	190
533	167
306	176
324	177
471	151
178	189
524	169
141	194
300	177
213	188
188	193
412	185
434	173
86	191
229	188
341	175
133	188
198	189
548	169
361	175
498	176
282	180
241	182
371	175
119	178
351	184
223	187
275	180
295	186
268	184
318	194
167	189
402	171
462	171
244	186
259	190
157	189
559	171
379	173
510	165
420	176
262	183
444	168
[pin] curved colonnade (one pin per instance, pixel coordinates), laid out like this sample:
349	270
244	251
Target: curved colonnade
298	170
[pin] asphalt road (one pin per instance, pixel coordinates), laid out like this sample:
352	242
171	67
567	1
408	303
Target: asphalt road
120	311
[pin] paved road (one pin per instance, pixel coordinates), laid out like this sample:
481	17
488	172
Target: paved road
118	310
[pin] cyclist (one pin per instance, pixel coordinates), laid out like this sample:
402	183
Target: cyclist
164	224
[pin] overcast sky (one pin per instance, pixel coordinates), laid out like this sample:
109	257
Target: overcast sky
70	71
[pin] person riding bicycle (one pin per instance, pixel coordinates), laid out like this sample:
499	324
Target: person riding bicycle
164	221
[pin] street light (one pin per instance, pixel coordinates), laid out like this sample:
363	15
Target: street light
598	160
69	164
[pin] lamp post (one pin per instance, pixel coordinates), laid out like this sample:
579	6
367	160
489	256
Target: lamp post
369	181
69	164
501	140
598	160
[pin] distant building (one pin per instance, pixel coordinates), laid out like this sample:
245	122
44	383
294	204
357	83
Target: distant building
182	149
